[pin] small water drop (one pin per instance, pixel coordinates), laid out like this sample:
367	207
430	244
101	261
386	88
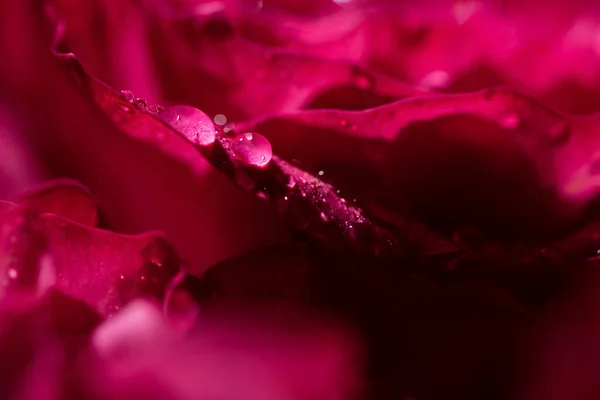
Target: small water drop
191	122
141	103
321	173
121	276
344	122
510	121
155	109
252	148
127	95
12	273
220	119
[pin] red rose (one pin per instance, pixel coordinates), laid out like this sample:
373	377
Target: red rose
355	199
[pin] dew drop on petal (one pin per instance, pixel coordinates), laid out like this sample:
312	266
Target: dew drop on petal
155	109
127	95
321	173
141	103
12	273
252	148
191	122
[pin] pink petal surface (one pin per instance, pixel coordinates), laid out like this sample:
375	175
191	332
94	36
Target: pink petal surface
105	270
66	198
247	353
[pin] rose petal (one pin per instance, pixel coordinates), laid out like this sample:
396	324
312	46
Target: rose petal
498	129
65	198
101	268
208	54
250	353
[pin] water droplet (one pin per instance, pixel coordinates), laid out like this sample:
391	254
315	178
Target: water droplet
121	276
141	103
191	122
220	119
252	148
12	273
321	173
510	121
344	122
127	95
155	109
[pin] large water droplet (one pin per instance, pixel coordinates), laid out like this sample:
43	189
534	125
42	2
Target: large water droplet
127	95
252	148
191	122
